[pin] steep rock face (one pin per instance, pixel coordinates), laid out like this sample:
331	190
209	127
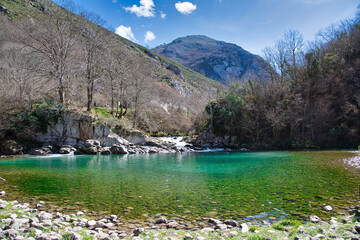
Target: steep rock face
73	129
221	61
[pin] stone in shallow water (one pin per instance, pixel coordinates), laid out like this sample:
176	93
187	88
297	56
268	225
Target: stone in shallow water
314	219
328	208
214	221
161	220
221	226
45	216
231	223
207	230
172	225
138	231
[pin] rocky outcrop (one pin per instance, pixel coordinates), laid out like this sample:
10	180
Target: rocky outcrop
11	147
76	133
74	129
209	139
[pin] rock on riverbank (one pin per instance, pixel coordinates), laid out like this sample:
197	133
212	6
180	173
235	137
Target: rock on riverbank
19	221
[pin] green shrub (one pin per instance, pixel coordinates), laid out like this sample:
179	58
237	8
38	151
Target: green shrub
39	118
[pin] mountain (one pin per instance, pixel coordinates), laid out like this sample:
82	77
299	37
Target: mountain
162	95
218	60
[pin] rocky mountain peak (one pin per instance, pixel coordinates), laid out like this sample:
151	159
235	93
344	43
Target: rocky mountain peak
221	61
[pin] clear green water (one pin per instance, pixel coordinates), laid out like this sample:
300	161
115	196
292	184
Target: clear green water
233	185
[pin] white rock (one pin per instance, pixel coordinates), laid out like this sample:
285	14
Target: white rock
91	223
233	233
244	228
80	213
320	236
172	224
102	235
45	216
76	236
207	230
188	236
161	220
47	223
221	226
109	225
314	219
328	208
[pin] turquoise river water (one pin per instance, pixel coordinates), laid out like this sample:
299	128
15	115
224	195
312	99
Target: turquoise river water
221	184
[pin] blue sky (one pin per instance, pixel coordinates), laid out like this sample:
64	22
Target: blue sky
251	24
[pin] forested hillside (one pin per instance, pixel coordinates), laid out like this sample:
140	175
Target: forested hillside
52	59
312	100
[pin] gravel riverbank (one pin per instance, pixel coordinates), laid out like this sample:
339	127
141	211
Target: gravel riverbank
18	221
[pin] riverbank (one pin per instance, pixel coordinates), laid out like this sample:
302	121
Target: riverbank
20	221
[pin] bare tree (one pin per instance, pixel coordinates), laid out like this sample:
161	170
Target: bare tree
54	41
140	82
294	43
20	71
93	46
117	65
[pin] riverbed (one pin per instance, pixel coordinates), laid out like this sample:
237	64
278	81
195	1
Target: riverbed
224	185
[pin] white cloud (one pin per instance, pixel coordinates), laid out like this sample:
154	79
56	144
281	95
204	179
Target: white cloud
149	36
162	15
185	7
125	32
114	1
146	9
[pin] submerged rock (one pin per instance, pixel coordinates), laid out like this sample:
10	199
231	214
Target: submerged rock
161	220
314	219
138	231
231	223
328	208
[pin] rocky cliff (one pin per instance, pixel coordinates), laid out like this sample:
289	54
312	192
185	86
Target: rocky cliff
74	129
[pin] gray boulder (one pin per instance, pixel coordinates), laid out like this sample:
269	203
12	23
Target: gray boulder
10	147
67	149
138	231
3	9
314	219
231	223
105	151
161	220
11	234
118	149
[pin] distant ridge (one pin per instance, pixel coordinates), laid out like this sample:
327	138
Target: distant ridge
218	60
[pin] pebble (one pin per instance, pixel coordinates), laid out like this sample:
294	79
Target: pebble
314	219
328	208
